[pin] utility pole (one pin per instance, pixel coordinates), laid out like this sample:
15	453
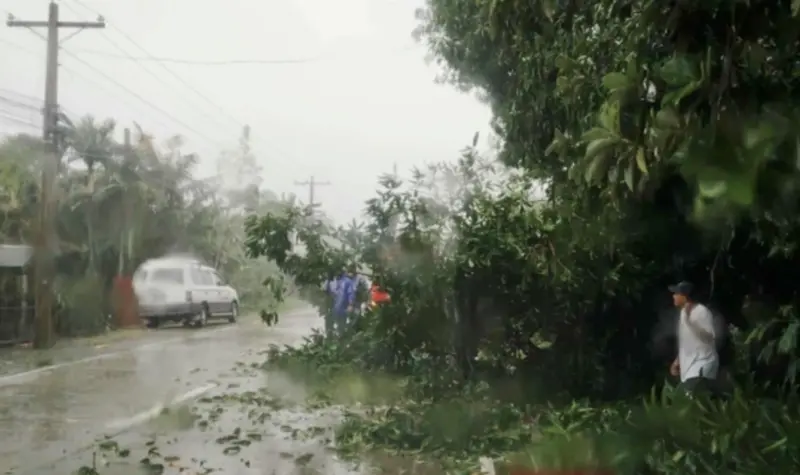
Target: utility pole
46	233
312	185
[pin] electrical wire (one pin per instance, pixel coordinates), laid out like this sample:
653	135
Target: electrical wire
71	72
139	97
239	124
19	94
18	120
34	103
142	99
225	62
169	71
178	91
19	104
10	92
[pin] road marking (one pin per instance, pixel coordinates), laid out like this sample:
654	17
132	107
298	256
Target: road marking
121	425
11	378
24	375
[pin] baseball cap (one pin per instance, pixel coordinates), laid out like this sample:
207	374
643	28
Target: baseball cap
682	288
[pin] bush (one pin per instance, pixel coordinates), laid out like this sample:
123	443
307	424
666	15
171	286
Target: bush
83	306
674	435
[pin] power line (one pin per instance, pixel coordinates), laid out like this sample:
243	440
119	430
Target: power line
200	62
19	104
162	62
101	86
18	120
135	95
169	71
239	125
70	71
124	88
15	93
225	62
142	99
178	91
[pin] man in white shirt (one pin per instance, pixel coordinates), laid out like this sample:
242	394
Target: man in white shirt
697	363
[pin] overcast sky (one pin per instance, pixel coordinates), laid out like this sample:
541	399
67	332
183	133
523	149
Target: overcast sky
364	100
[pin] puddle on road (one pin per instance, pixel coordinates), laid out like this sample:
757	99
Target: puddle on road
258	425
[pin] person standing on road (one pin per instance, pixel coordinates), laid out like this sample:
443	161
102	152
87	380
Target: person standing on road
330	290
697	363
344	296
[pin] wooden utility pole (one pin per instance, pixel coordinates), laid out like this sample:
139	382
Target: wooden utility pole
312	185
46	239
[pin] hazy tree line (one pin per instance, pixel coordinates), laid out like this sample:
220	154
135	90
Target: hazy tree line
119	205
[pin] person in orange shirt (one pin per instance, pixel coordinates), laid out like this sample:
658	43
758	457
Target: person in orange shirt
377	296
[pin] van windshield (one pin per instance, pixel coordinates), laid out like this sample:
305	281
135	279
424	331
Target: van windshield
171	276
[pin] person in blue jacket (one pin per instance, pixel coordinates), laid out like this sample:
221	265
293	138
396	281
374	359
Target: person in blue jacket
343	292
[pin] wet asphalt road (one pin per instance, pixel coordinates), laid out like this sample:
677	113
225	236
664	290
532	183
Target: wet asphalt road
222	413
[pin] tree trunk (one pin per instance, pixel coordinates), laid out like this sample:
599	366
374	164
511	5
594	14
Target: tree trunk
121	253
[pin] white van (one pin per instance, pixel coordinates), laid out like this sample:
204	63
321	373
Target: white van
182	290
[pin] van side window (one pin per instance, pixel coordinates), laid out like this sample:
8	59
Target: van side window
197	276
206	276
171	276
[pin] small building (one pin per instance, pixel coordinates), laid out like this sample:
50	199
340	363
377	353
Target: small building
16	302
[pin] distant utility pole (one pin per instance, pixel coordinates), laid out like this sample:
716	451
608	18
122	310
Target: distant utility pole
46	233
312	186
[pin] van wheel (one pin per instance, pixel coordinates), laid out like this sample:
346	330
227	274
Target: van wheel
152	323
234	312
202	319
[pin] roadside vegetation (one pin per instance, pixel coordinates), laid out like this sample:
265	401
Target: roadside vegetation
640	144
119	206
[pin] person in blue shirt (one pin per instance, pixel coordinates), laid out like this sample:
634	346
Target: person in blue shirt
330	290
343	294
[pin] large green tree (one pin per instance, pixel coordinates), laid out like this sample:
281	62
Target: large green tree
666	135
643	143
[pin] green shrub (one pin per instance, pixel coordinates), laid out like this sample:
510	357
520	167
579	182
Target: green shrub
669	436
83	306
674	435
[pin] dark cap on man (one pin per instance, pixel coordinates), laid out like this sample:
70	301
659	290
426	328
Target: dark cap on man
682	288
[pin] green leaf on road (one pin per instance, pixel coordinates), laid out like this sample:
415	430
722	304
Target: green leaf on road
232	450
304	459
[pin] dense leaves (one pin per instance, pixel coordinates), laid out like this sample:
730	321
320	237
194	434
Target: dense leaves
643	143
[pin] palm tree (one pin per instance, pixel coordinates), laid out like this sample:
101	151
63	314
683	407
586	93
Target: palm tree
93	144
